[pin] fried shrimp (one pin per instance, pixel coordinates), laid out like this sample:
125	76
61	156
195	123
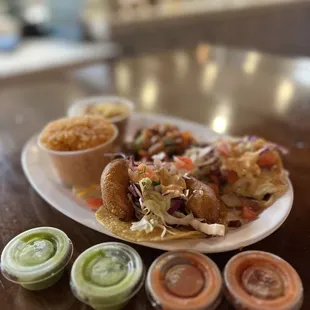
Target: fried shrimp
202	201
114	189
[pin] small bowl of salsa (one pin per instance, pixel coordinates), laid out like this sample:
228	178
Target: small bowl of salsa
257	280
184	280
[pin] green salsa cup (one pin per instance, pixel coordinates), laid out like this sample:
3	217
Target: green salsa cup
107	276
36	258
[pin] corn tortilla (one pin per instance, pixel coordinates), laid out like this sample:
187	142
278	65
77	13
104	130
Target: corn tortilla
122	229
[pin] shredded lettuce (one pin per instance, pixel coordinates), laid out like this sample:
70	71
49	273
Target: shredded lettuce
146	224
157	204
208	229
189	220
146	183
155	208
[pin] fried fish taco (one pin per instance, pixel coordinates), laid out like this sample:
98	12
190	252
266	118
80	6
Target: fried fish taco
247	172
157	201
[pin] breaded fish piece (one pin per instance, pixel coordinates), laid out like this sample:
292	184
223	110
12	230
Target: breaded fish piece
202	201
114	189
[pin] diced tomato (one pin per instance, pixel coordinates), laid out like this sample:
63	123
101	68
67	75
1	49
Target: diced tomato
248	213
143	153
184	163
215	188
232	177
94	202
267	159
223	149
146	172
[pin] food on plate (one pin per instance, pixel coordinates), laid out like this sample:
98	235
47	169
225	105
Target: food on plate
203	201
94	203
246	173
184	280
91	195
107	109
259	280
114	188
107	275
77	148
76	133
157	201
36	258
166	139
116	109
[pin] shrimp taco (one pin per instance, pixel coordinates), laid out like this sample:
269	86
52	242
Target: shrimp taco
158	201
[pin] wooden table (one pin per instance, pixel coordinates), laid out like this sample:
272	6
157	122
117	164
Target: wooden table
231	91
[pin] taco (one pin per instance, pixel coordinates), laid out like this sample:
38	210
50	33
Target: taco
247	173
158	201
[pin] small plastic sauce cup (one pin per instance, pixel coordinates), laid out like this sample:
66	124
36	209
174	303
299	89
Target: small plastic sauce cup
184	280
36	258
82	168
121	121
256	280
107	276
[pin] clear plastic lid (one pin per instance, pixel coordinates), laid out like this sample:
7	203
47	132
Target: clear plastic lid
36	255
108	273
184	280
258	280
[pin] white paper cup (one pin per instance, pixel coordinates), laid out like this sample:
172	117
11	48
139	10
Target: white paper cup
78	108
82	168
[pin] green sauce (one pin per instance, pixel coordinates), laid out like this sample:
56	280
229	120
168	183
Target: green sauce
107	275
36	250
105	270
36	258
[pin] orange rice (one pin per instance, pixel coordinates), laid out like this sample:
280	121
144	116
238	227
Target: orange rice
77	133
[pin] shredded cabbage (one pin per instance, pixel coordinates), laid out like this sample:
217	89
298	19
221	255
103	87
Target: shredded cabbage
155	208
145	224
189	220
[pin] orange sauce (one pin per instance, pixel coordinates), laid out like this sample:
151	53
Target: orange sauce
258	280
184	280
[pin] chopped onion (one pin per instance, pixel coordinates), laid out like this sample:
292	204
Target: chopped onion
136	189
132	190
176	204
206	150
273	146
281	148
186	176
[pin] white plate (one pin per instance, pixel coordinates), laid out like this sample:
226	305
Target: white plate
40	174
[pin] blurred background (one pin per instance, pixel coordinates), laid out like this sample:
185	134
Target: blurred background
159	53
276	26
54	27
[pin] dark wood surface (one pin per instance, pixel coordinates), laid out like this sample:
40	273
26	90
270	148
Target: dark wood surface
207	85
